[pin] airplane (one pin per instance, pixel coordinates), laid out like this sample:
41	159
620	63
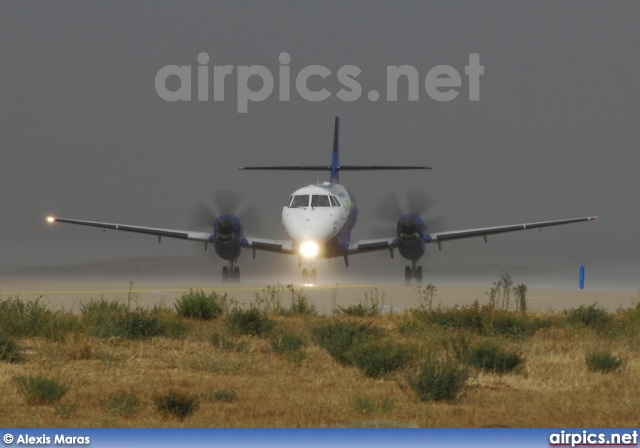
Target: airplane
317	221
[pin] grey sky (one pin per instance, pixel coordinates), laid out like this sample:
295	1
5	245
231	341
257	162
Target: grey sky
83	133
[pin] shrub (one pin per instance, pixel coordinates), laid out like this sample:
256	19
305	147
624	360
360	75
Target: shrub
32	318
124	404
359	310
468	317
379	358
372	305
300	304
223	395
175	403
198	305
438	380
338	338
9	350
140	324
287	342
250	322
105	318
219	341
491	358
602	361
290	345
40	389
590	316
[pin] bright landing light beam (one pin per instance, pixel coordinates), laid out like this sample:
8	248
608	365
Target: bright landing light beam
51	219
309	249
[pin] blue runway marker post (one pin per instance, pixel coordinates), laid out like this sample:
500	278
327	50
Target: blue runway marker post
581	276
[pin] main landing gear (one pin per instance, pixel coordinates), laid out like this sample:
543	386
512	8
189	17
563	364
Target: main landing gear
309	275
413	271
231	273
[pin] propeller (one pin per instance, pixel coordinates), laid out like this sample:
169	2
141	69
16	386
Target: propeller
392	207
222	202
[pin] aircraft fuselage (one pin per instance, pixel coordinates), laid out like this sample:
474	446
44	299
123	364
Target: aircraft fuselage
321	214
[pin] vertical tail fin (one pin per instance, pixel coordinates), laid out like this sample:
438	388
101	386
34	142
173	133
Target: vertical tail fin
335	160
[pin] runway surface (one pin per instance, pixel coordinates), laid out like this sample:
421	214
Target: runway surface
397	297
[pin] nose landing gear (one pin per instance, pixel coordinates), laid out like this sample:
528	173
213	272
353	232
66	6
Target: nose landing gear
231	273
413	271
309	275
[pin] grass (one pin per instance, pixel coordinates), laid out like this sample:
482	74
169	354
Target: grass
122	403
221	396
9	349
602	361
40	389
490	357
338	337
175	403
198	305
379	358
250	322
411	369
438	380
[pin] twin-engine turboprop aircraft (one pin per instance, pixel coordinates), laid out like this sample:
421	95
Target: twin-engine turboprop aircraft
318	220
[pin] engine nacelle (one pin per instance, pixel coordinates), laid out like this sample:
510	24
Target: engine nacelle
227	237
411	231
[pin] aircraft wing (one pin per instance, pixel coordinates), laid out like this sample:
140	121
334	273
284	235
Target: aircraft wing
169	233
362	246
269	245
438	237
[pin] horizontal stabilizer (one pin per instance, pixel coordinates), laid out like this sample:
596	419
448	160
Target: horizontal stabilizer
341	168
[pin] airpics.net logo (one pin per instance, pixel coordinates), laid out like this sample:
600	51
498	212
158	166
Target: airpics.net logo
441	82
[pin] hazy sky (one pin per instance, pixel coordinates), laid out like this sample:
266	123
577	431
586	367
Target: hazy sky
84	134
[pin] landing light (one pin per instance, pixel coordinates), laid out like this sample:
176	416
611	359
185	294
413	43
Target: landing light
309	249
51	219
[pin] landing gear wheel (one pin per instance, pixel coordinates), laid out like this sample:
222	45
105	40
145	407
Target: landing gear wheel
235	277
225	274
419	275
407	274
313	275
305	275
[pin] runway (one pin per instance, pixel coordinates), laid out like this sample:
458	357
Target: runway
396	297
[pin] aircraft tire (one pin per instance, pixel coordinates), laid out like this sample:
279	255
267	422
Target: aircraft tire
419	275
305	275
236	274
225	274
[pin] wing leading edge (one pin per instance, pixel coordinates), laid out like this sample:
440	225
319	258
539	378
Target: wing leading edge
264	244
363	246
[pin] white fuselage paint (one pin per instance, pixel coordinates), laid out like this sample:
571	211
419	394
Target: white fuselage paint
318	224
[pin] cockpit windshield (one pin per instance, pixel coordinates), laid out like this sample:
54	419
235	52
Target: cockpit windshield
300	200
318	200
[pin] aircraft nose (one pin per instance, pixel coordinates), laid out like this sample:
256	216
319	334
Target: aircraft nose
312	226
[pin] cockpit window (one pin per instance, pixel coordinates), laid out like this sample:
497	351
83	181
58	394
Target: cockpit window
318	200
334	201
300	200
288	203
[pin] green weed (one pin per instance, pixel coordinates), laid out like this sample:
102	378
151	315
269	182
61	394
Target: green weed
40	389
176	403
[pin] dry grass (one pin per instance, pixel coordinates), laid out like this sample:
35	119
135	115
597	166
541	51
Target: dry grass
552	388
